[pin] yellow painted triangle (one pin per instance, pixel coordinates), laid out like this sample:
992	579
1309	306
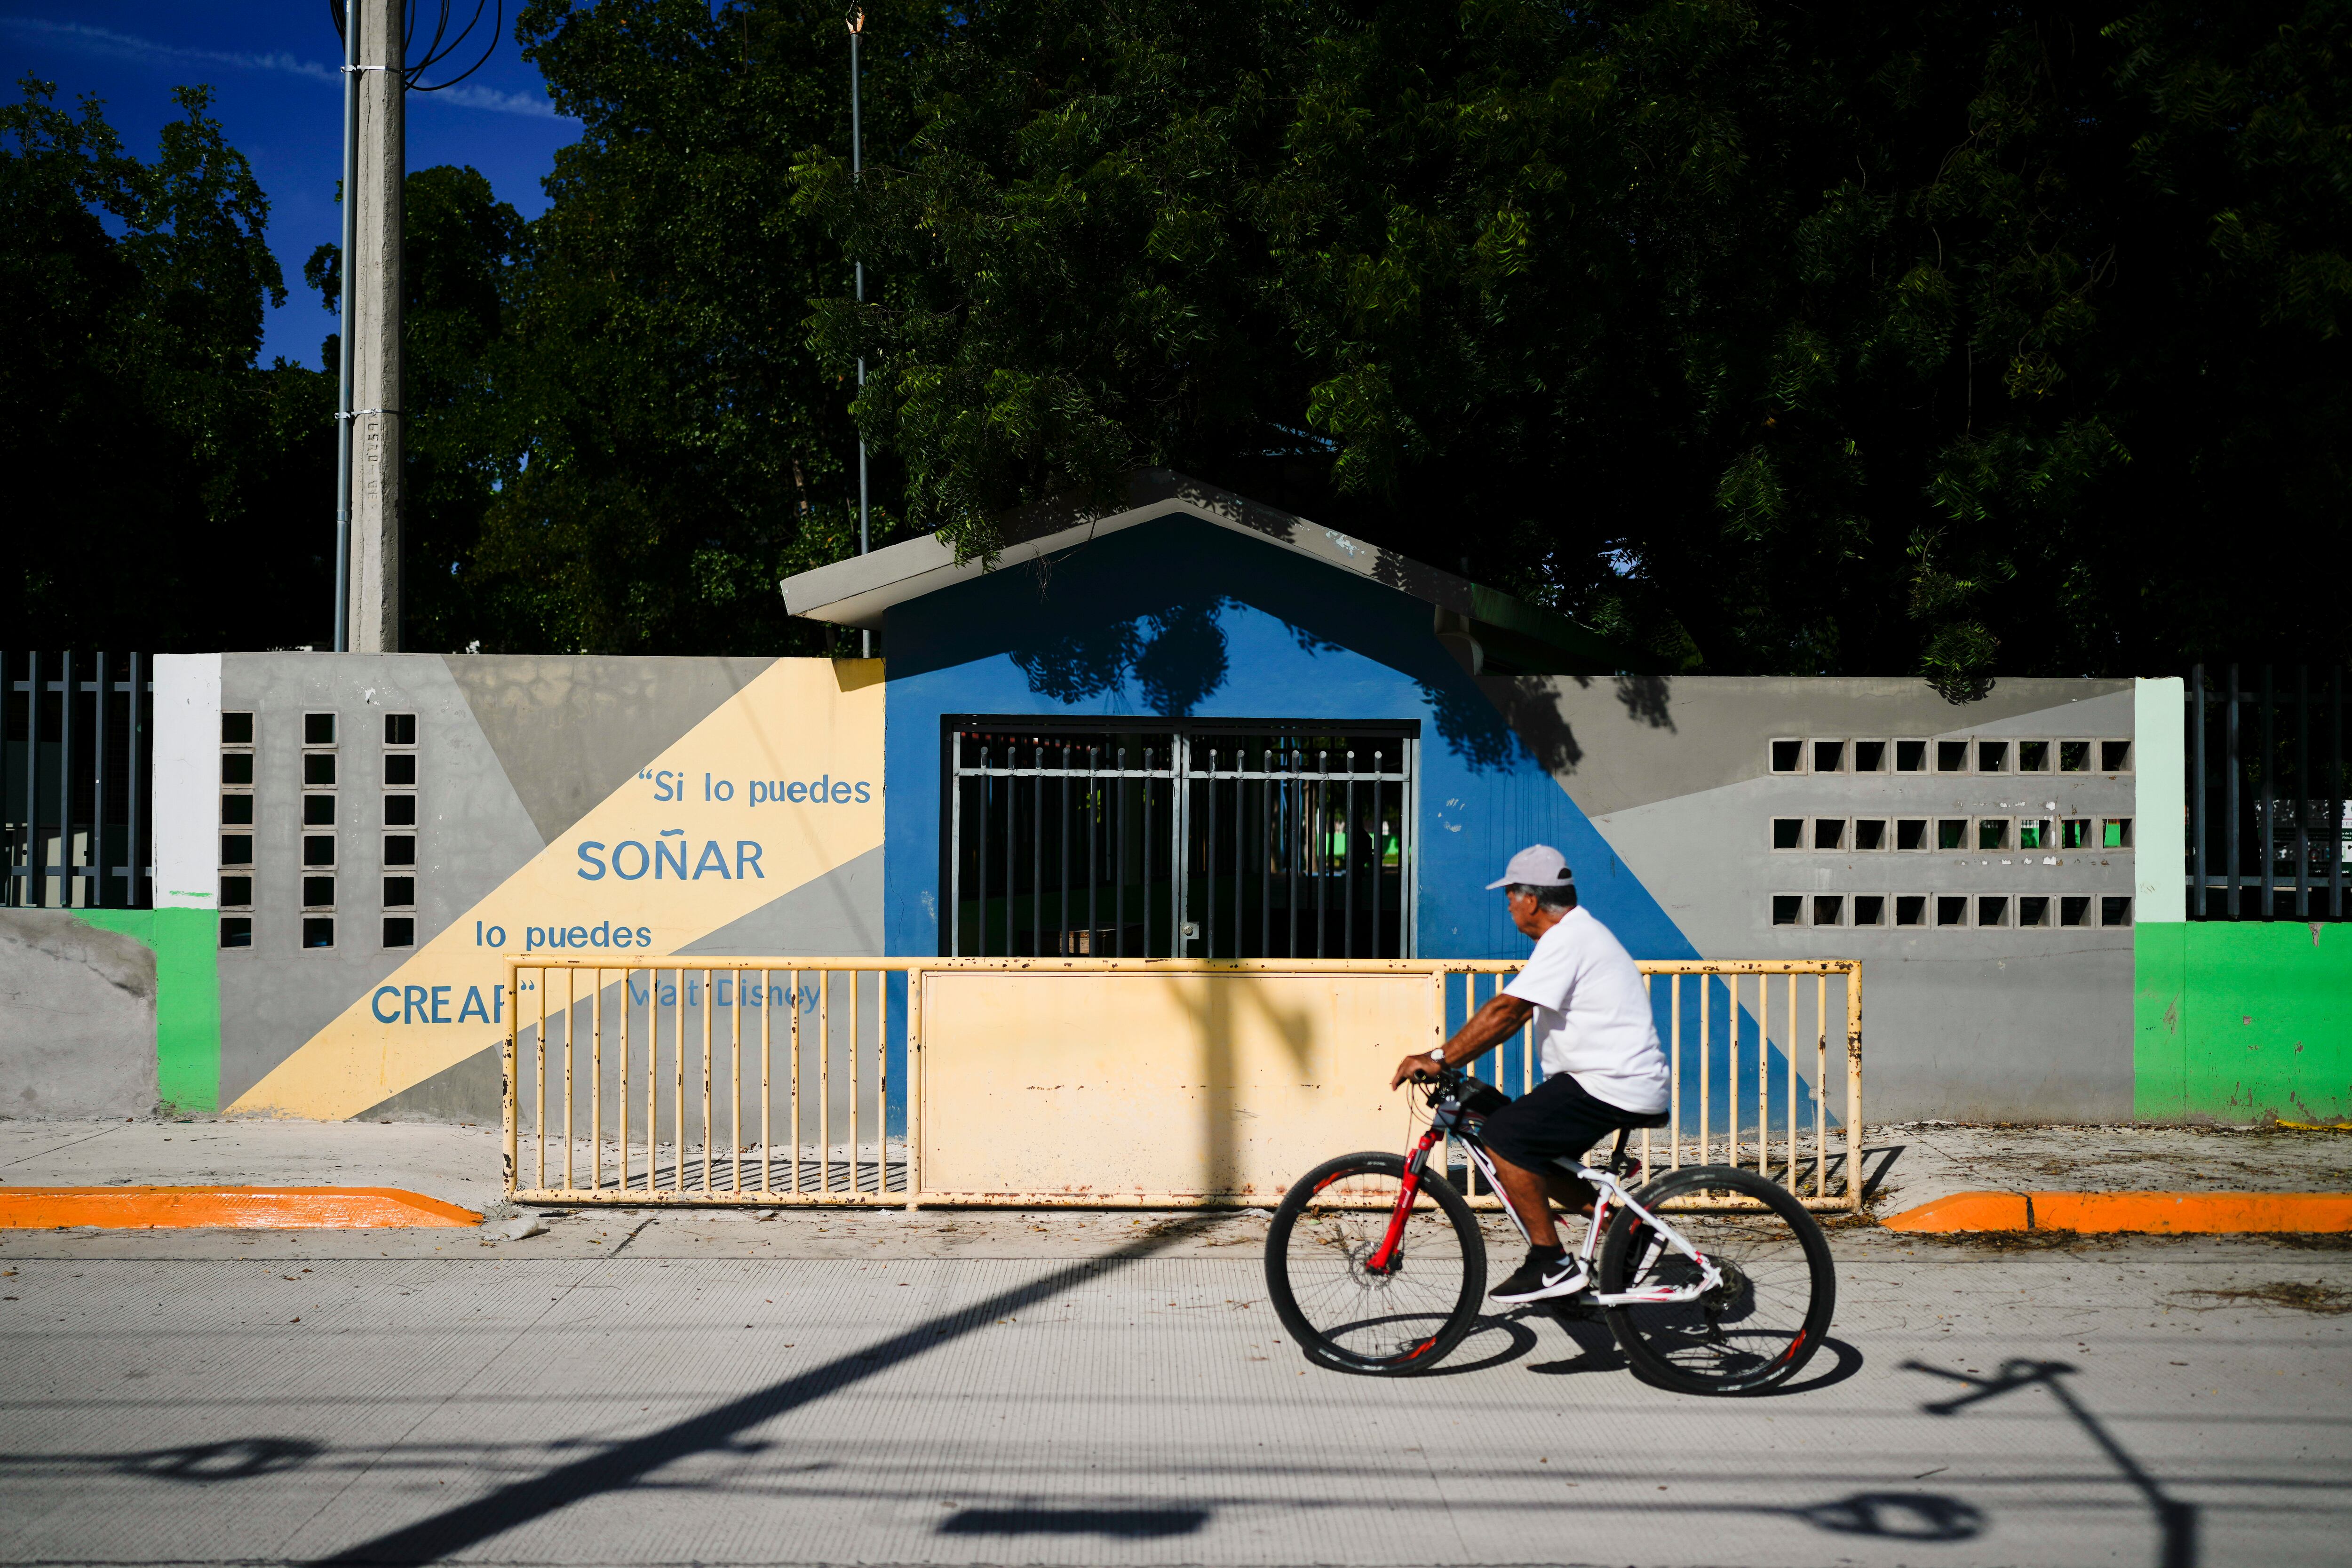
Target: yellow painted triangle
693	842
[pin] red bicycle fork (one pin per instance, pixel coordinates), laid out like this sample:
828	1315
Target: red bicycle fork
1383	1257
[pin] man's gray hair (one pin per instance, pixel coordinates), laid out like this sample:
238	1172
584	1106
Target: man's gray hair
1562	897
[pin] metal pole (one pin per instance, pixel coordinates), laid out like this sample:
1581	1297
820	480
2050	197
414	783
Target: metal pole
1062	911
1209	855
955	845
2303	792
2270	797
2232	867
1093	855
139	783
343	311
858	176
37	854
1037	853
980	936
65	780
98	787
2200	859
1348	854
2335	794
1118	857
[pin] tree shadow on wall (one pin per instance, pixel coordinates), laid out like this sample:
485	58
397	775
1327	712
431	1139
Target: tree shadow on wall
1176	657
1527	708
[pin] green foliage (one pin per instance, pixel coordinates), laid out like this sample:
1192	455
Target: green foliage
1948	339
166	493
668	447
1854	338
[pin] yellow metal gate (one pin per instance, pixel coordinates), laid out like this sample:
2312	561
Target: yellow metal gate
1075	1081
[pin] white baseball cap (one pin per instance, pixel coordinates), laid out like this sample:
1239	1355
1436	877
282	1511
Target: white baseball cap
1537	866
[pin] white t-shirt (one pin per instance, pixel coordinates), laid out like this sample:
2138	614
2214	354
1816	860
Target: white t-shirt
1593	1014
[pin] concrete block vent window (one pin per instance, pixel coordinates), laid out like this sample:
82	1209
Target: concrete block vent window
321	796
1983	772
237	766
400	830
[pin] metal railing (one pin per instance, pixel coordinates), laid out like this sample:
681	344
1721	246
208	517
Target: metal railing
1734	1043
2269	830
636	1054
74	778
798	1081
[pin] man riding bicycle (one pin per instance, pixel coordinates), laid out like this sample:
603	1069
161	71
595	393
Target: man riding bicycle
1598	1045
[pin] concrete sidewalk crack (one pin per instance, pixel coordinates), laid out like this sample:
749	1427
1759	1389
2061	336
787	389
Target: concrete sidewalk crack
58	1148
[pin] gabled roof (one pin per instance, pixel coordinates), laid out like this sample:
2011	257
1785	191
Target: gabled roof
1507	632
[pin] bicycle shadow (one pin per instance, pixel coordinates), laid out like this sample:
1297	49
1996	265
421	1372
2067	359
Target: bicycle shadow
1596	1349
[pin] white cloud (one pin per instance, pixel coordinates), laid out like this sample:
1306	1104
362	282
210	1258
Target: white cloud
124	45
468	96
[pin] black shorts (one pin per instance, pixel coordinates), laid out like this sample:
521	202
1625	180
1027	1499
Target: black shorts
1555	1120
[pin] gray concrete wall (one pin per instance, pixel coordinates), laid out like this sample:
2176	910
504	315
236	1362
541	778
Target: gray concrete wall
472	834
2002	1024
76	1018
512	751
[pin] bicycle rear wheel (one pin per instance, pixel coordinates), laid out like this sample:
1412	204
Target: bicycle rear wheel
1761	1325
1342	1313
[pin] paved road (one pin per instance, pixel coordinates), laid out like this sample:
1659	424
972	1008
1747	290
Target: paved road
1101	1391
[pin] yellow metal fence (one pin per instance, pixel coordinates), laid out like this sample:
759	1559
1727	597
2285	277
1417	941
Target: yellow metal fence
1098	1081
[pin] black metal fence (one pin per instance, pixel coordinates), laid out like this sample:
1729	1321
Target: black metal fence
2267	826
76	780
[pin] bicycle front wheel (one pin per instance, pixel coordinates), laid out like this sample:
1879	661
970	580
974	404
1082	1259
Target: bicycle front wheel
1753	1331
1344	1313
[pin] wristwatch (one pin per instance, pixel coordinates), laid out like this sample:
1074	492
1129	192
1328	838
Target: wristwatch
1438	1056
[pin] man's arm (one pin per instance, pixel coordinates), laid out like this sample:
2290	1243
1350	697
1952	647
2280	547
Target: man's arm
1502	1017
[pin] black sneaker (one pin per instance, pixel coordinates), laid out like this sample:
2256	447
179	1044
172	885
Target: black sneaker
1540	1278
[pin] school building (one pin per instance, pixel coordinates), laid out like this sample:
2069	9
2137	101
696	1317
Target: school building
1194	728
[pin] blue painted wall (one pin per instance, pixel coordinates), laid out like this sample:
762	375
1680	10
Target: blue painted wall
1181	618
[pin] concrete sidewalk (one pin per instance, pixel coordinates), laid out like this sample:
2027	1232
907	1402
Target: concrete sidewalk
712	1388
1905	1165
963	1387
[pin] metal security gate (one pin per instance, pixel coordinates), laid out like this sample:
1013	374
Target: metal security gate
773	1082
2269	828
76	817
1183	840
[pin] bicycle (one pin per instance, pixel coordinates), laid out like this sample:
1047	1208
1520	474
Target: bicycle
1368	1280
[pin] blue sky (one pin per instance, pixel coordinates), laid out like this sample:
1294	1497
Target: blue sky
273	66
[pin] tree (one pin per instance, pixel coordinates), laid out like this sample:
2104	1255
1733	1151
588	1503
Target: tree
1949	338
672	445
465	262
168	493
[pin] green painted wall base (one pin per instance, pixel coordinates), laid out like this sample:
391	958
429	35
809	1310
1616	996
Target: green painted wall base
2242	1022
186	944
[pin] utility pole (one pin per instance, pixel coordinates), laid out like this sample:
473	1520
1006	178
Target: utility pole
376	50
858	176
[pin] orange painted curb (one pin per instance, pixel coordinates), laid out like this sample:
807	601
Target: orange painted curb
2160	1214
1967	1211
228	1208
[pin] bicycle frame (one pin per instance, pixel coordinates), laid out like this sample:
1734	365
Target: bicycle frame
1450	1118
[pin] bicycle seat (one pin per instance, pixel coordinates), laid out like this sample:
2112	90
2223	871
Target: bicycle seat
1657	1119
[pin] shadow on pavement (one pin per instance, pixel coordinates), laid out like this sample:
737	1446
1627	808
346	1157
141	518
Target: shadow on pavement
2177	1523
1598	1350
232	1459
720	1429
1872	1181
1121	1523
1897	1516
